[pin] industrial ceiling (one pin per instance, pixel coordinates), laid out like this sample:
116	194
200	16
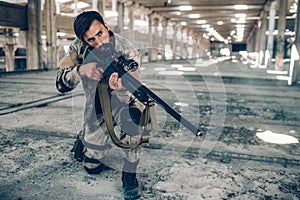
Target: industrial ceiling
218	19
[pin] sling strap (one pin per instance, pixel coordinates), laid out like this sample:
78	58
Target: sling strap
106	108
148	121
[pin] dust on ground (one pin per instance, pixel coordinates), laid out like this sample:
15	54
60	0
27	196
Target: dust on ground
36	162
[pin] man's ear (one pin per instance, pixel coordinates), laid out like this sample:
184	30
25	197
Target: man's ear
106	25
84	42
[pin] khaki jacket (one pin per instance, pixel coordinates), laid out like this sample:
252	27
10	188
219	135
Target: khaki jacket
68	78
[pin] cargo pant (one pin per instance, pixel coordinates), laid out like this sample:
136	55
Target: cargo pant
126	112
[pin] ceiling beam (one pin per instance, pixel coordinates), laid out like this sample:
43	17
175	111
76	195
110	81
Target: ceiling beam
12	15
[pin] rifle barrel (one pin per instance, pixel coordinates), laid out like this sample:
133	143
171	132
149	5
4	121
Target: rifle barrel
137	87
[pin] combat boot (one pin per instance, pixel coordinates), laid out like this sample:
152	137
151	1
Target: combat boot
94	166
130	183
130	186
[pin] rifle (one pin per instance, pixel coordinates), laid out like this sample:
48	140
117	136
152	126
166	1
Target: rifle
113	61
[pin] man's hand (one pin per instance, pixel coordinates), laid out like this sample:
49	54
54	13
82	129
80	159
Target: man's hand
91	71
115	82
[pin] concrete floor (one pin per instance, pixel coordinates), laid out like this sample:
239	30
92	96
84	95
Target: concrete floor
229	101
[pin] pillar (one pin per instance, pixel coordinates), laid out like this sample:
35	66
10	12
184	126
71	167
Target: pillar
131	22
198	46
101	7
257	41
281	38
190	44
95	5
164	38
75	7
9	50
34	41
183	53
263	39
150	32
201	47
114	5
296	69
51	34
174	42
153	35
120	21
251	42
194	46
181	44
270	42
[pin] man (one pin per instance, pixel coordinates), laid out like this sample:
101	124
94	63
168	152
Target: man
94	33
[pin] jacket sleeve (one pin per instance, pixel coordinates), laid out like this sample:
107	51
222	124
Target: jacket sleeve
67	77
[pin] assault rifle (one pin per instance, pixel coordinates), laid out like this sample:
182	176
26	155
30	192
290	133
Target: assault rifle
113	61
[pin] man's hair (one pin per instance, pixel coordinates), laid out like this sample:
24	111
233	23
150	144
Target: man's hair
83	22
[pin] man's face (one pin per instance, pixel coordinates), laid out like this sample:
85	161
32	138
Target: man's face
96	35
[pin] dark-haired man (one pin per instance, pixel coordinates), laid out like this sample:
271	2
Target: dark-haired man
93	32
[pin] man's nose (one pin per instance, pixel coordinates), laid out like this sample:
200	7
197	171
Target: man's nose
99	42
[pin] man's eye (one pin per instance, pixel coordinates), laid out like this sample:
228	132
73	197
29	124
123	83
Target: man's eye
91	40
99	33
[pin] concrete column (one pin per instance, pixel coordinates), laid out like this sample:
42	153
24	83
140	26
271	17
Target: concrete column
281	37
197	46
257	41
113	5
207	46
188	38
164	38
95	5
154	40
101	6
270	43
190	44
150	32
296	68
75	7
131	22
9	50
194	45
263	39
200	47
174	42
251	42
183	53
57	5
181	43
204	47
186	44
51	34
120	22
34	41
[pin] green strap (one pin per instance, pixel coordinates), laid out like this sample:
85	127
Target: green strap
149	114
106	108
148	121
